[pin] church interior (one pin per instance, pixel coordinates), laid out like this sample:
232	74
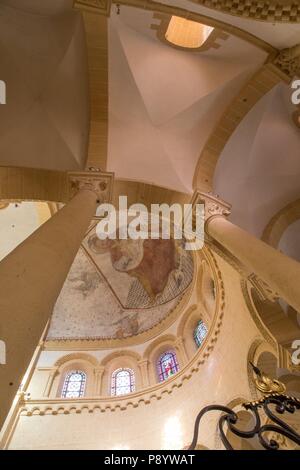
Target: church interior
121	344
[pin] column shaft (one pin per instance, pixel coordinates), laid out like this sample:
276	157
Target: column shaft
143	365
50	381
280	272
31	278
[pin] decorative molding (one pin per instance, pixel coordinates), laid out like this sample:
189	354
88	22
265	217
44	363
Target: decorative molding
288	60
161	28
214	205
98	182
101	7
92	343
263	290
29	184
76	357
274	11
151	5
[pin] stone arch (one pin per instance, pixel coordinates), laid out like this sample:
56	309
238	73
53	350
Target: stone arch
280	222
74	361
155	349
76	356
187	326
283	327
206	289
116	360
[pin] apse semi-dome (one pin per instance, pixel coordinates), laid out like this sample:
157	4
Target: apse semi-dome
121	288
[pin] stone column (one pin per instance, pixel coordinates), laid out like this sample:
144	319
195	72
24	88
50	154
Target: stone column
143	365
179	345
32	276
52	374
98	374
281	273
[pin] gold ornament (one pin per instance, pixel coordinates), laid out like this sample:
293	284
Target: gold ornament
265	384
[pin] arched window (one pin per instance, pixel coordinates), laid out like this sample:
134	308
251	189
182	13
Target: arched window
122	382
74	384
167	365
199	333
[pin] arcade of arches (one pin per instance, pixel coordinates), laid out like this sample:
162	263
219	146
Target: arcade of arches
162	104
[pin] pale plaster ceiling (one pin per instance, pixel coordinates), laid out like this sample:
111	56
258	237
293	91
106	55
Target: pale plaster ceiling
163	102
45	121
259	169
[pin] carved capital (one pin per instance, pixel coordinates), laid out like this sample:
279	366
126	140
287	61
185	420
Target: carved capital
99	371
288	61
179	342
143	363
214	206
98	182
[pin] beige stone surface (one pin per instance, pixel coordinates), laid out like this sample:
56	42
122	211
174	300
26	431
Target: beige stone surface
162	420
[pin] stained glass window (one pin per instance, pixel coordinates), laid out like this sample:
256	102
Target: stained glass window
74	384
199	333
122	382
167	365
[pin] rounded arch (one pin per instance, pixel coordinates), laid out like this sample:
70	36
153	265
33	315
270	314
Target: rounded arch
267	10
280	222
187	326
191	311
74	384
85	363
156	349
282	326
119	354
76	356
267	362
206	286
120	360
161	341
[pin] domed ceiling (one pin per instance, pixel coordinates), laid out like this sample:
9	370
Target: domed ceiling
121	288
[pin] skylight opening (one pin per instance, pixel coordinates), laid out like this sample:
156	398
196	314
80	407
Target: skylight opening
187	34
